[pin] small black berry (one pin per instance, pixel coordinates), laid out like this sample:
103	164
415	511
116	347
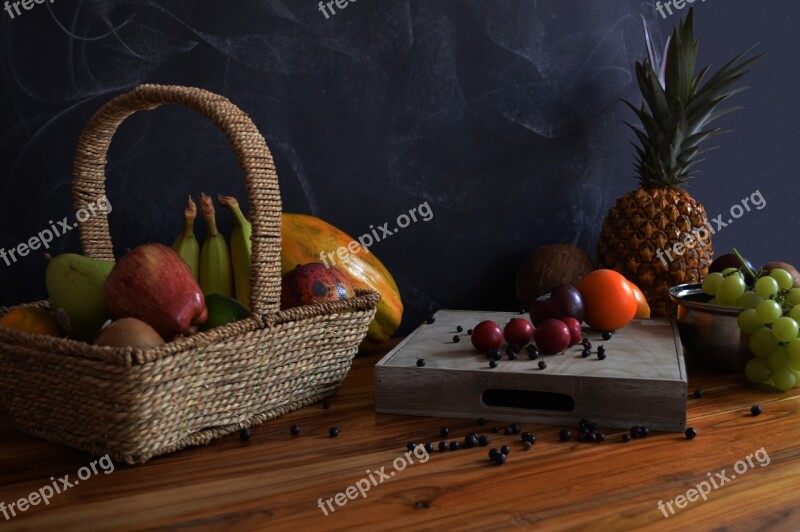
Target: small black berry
512	356
333	432
326	404
690	433
505	449
582	436
454	446
601	355
470	441
526	445
493	452
430	319
590	437
564	434
755	410
585	353
483	440
493	363
626	437
509	350
500	459
444	431
585	341
600	436
517	349
420	362
636	432
459	328
411	446
482	421
429	447
456	339
295	429
515	428
469	331
606	335
522	311
528	437
542	364
533	353
443	446
601	349
644	432
495	429
245	434
507	430
698	393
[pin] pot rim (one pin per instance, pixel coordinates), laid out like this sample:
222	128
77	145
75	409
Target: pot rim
679	292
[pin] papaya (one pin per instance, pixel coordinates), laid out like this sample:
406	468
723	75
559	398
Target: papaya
32	320
305	239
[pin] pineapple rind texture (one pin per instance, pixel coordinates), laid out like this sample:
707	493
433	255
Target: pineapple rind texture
645	221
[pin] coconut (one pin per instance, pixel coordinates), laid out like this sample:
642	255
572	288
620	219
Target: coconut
548	267
786	266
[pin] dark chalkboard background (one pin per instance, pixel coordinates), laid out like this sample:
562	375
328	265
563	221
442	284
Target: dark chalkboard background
504	116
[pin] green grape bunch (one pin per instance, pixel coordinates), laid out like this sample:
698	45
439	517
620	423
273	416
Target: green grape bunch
771	316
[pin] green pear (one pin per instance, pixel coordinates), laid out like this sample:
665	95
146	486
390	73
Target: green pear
75	286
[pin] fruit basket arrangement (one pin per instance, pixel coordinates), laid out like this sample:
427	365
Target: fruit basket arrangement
135	403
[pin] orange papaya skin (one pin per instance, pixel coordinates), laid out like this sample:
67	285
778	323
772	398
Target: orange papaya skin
304	238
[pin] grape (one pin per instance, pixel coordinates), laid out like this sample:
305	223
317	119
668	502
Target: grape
784	380
778	358
766	287
731	288
768	311
762	342
783	277
757	370
749	300
796	374
795	313
784	329
728	271
711	283
794	296
747	321
794	351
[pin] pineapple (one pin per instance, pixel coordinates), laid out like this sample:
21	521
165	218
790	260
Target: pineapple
641	229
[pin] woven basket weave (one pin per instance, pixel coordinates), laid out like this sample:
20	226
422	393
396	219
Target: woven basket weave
134	404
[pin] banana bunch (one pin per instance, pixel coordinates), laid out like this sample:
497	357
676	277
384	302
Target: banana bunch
218	268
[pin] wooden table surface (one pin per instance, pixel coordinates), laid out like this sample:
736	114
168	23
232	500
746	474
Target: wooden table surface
277	480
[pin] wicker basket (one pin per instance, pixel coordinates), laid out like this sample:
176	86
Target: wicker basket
134	404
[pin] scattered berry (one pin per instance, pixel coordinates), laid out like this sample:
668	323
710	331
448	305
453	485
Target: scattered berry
585	342
528	437
601	355
588	436
505	449
245	434
512	356
542	364
429	447
482	421
507	430
533	353
515	428
635	432
509	350
456	339
585	353
690	433
333	432
444	431
626	437
526	445
698	393
582	436
644	432
493	452
500	459
469	331
454	446
601	349
470	441
493	363
495	429
606	335
459	328
430	319
600	436
420	362
295	429
411	446
483	440
443	446
564	434
326	404
755	410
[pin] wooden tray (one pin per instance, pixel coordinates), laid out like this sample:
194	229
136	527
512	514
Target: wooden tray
641	382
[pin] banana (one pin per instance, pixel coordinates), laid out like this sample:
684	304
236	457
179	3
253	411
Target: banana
216	276
186	244
241	249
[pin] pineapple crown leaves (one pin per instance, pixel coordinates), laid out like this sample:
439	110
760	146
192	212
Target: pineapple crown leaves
678	105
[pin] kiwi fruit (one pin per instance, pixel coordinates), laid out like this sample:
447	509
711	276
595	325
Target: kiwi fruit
129	332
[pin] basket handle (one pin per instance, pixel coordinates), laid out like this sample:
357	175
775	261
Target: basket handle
251	150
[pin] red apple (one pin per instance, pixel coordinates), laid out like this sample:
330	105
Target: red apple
314	283
487	336
552	336
575	332
518	331
154	284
